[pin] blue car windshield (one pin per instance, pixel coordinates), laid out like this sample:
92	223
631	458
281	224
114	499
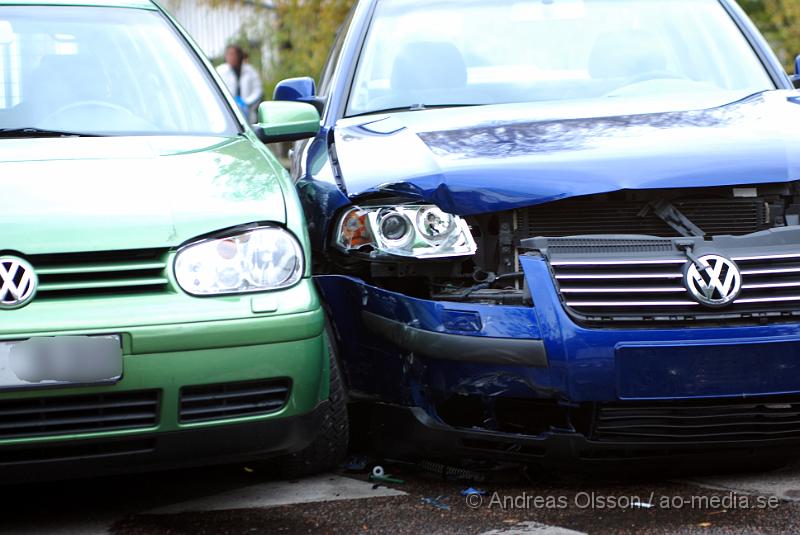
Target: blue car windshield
473	52
104	70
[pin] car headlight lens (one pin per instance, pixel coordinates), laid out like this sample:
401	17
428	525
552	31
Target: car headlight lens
395	227
435	224
261	259
406	231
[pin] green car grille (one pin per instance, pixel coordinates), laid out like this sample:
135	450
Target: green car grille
98	273
31	417
229	400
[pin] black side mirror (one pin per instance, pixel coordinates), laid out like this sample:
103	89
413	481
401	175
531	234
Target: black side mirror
796	76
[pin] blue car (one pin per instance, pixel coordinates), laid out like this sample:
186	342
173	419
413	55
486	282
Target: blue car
563	230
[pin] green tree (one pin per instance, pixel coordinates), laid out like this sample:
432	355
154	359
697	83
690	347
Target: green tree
779	20
299	34
303	32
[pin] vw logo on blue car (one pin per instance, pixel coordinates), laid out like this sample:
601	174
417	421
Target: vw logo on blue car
714	281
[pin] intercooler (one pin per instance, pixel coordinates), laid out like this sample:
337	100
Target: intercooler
598	215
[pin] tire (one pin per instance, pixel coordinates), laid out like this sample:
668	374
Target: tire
330	445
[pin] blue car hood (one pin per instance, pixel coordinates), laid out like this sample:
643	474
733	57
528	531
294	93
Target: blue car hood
493	158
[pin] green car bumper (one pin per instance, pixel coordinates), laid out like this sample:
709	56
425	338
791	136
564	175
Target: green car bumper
194	390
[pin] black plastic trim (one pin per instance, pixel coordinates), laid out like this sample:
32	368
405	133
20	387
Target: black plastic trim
410	433
460	348
142	452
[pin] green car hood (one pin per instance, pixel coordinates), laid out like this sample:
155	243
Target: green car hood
93	194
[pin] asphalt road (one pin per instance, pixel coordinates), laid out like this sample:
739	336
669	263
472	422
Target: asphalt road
244	500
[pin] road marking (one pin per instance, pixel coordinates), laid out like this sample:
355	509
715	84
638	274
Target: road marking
783	483
323	488
532	528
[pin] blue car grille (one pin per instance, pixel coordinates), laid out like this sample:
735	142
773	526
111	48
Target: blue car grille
654	290
699	421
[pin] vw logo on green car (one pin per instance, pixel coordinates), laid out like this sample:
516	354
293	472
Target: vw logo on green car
156	305
17	282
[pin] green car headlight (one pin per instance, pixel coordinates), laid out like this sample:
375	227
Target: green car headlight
261	259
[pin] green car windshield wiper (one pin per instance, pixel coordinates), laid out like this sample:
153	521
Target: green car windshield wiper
414	107
41	132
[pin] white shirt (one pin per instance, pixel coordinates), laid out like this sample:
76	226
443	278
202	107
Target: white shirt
248	86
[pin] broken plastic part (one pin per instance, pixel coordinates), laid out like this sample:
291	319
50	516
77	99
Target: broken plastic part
379	474
437	502
673	217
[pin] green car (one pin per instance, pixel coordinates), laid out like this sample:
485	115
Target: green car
156	305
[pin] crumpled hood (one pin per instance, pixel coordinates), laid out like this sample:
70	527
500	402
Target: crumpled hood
90	194
493	158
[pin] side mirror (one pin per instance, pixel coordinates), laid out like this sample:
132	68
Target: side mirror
796	77
286	121
302	89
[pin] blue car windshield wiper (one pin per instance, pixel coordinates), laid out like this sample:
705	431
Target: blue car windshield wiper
414	107
41	132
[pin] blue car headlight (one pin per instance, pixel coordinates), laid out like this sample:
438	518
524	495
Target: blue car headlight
258	260
411	231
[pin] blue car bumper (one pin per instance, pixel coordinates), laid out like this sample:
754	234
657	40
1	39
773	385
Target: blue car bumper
533	382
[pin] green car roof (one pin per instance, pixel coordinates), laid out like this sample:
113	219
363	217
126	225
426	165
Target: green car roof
139	4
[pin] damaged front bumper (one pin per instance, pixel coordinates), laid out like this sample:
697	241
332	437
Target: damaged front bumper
525	383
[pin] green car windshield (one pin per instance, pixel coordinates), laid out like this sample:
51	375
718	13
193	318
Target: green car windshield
105	71
420	53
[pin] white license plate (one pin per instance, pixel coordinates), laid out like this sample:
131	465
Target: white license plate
60	361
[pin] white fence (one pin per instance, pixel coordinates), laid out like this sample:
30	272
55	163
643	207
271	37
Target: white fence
213	27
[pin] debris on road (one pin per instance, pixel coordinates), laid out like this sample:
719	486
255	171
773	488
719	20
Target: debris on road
437	502
379	474
450	472
356	464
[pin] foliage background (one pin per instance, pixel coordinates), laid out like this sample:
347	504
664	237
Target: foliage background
779	20
300	33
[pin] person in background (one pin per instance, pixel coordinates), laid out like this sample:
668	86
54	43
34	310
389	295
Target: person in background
242	80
